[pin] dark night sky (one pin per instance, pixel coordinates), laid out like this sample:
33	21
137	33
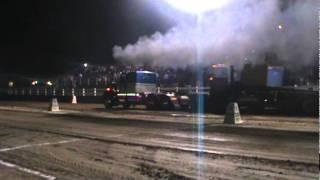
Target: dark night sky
45	37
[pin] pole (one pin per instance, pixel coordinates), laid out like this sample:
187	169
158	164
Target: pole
233	98
83	92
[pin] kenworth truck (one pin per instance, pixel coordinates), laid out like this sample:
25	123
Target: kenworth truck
140	88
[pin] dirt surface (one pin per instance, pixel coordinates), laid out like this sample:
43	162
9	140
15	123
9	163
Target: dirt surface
138	144
139	113
9	173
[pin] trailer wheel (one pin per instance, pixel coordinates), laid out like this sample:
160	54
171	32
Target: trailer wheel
125	105
165	102
185	107
309	108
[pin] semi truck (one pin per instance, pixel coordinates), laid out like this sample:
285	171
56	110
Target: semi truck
140	88
258	88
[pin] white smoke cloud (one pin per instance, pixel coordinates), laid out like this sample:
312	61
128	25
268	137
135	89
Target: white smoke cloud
245	30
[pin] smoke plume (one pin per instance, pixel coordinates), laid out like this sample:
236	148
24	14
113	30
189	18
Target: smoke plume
243	31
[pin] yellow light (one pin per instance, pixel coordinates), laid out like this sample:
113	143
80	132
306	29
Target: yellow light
218	65
10	84
49	83
34	83
211	78
173	98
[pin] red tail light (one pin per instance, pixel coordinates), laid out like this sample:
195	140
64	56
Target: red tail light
108	89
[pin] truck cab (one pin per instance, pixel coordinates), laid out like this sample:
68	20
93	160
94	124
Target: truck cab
131	89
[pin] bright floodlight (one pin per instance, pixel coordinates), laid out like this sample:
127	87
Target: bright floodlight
197	6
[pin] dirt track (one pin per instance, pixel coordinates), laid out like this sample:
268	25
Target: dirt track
145	145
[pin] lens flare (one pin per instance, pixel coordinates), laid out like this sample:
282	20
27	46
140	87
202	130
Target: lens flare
197	6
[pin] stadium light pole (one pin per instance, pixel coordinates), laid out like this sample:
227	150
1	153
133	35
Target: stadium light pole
198	8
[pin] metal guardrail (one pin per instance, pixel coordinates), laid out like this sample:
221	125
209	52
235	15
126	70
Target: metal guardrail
186	90
42	91
53	92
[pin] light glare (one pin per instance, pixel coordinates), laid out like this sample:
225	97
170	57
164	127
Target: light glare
197	6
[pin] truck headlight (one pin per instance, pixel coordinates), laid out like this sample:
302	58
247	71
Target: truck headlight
184	97
173	98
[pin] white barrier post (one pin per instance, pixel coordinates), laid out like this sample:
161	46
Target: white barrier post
197	89
83	92
45	92
38	92
95	92
232	115
54	92
62	92
158	89
54	106
74	97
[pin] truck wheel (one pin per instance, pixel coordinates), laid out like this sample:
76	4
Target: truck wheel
108	104
150	104
257	108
